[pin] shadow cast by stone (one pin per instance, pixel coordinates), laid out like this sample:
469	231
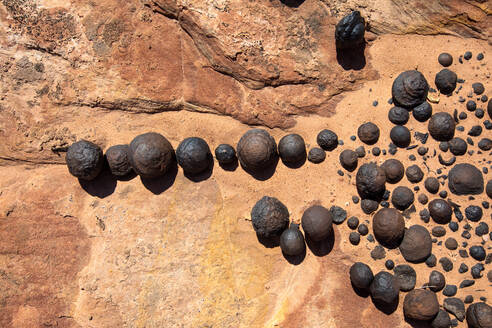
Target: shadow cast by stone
292	3
295	259
159	185
418	324
352	58
102	186
295	165
360	292
231	167
264	174
322	247
385	307
269	242
130	176
202	175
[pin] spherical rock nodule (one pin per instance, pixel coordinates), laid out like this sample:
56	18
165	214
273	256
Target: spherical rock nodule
256	150
422	112
370	181
446	81
327	139
407	277
388	227
317	222
118	161
349	31
193	155
269	217
437	281
151	155
458	146
414	174
432	185
316	155
394	170
400	136
398	115
349	159
440	211
361	276
465	179
420	304
384	288
416	245
292	149
368	133
441	126
85	160
225	154
445	59
410	89
292	241
479	315
402	197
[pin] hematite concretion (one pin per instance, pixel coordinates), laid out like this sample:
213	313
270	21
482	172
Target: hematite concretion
225	154
349	32
316	155
440	211
407	277
269	217
384	288
414	174
446	81
458	146
432	185
119	163
84	160
369	206
465	179
416	245
400	136
292	241
441	126
317	222
370	181
394	170
437	281
410	89
420	304
151	155
479	315
398	115
445	59
368	133
256	150
422	112
327	139
388	227
402	197
292	148
361	275
193	155
349	159
485	144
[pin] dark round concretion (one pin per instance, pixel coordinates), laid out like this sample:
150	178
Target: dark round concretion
465	179
316	155
441	126
488	189
440	211
256	150
327	139
225	154
473	213
478	88
193	155
361	276
292	241
384	288
432	185
151	155
410	89
471	105
420	304
414	174
398	115
349	31
388	227
422	112
292	148
407	277
317	222
400	136
370	181
369	206
446	81
394	170
479	315
84	160
416	245
445	59
478	253
269	217
368	133
402	197
442	320
348	159
437	281
458	146
485	144
118	161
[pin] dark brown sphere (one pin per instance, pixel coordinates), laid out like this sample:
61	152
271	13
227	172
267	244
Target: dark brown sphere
432	185
384	288
446	81
317	222
349	159
445	59
398	115
292	241
292	149
119	163
361	276
414	174
400	136
370	181
193	155
416	245
410	89
479	315
440	211
84	160
151	155
402	197
437	281
368	133
256	150
327	139
269	217
441	126
394	170
420	304
389	227
465	179
458	146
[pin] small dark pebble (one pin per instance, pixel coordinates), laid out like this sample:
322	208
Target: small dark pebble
369	206
422	112
340	173
453	226
463	116
463	253
467	283
485	144
445	59
375	103
450	290
480	56
466	235
353	222
370	238
482	229
327	139
475	131
354	238
444	146
378	253
423	199
316	155
467	55
443	194
431	261
438	231
363	229
476	271
463	268
414	174
389	264
478	88
451	243
361	152
431	185
468	299
422	150
471	105
478	253
424	215
376	151
473	213
479	113
338	214
446	264
355	199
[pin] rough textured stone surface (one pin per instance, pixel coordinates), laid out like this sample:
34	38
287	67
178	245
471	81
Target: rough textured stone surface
420	304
